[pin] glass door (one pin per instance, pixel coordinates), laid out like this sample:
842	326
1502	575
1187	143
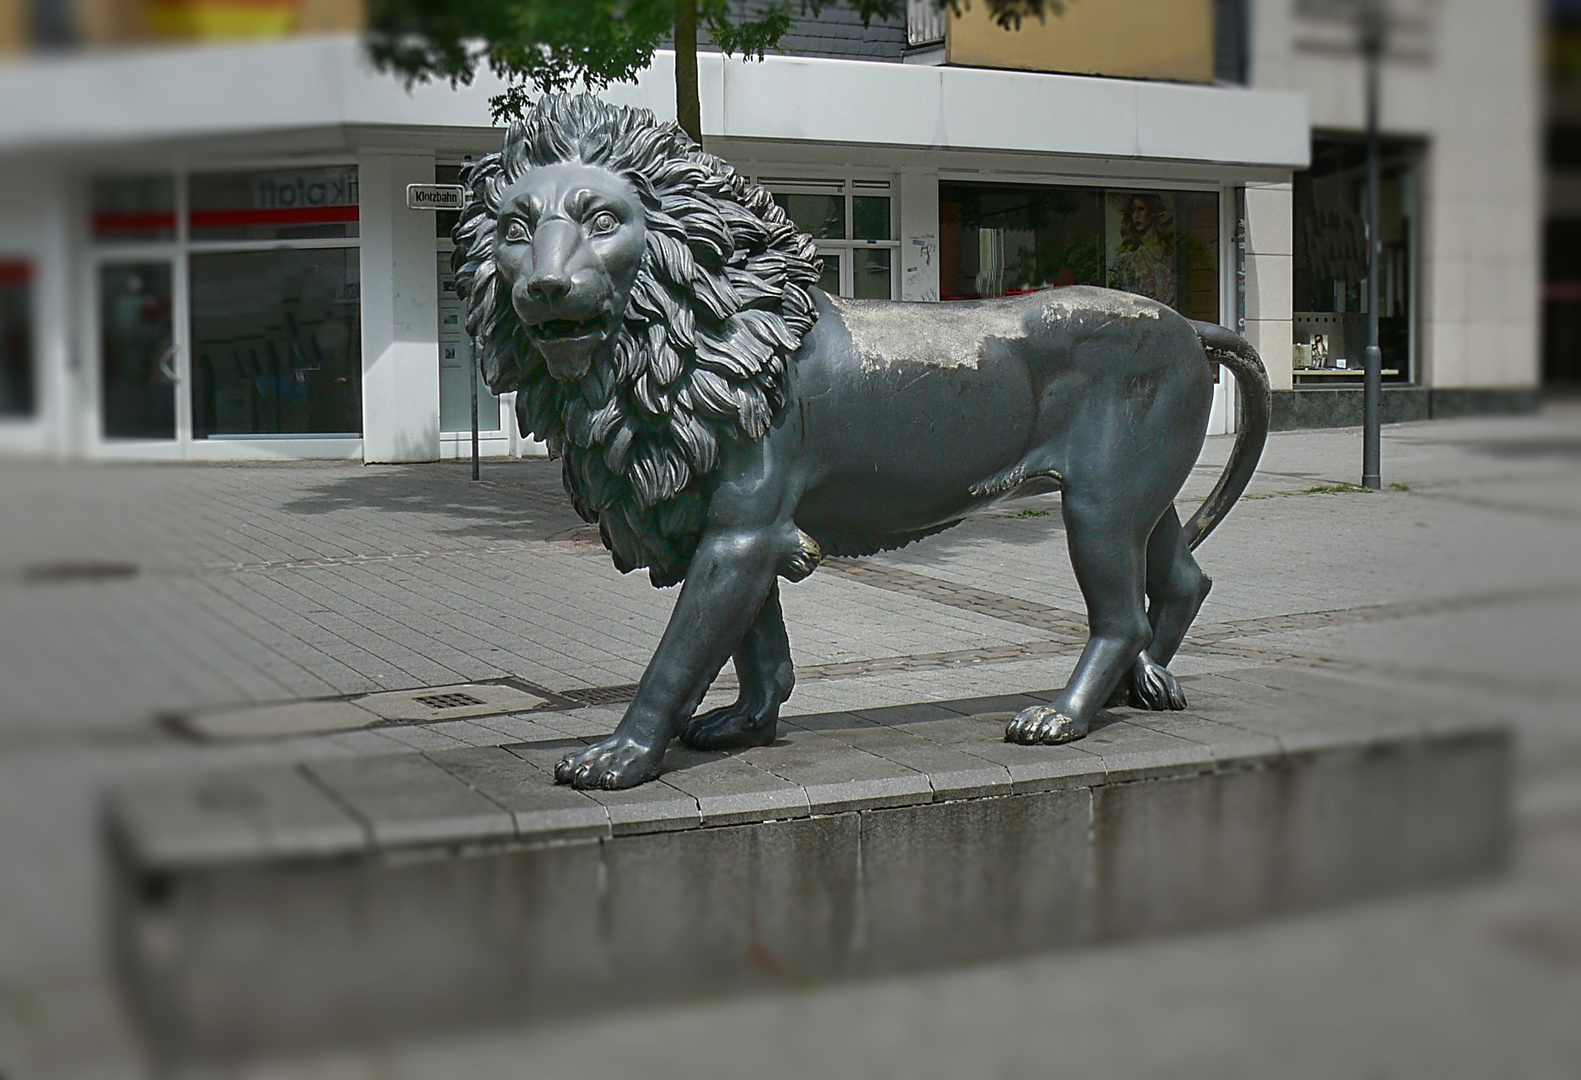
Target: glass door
139	361
457	366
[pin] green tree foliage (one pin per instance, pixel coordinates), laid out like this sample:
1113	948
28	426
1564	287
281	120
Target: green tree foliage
541	46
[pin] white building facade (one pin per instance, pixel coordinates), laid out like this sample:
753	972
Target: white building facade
212	256
1462	190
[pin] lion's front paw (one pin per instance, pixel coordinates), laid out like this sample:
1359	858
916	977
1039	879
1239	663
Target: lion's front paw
616	762
1042	724
730	728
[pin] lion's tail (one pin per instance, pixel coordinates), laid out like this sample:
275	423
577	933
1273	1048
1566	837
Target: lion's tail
1230	349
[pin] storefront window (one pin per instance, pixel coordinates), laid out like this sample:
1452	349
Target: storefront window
1002	240
16	339
851	221
1331	262
133	209
276	343
283	204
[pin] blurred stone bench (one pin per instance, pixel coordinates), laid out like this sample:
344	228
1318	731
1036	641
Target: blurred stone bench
273	908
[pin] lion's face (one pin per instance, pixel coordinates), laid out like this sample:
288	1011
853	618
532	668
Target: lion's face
569	246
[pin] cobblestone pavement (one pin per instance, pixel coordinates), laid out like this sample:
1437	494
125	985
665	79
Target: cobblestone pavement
129	593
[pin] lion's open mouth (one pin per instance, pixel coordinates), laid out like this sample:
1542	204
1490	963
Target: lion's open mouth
565	329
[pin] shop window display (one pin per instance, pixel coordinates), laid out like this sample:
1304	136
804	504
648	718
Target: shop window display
1006	239
271	293
1331	268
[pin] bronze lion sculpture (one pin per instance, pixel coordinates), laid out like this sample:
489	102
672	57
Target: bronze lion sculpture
726	423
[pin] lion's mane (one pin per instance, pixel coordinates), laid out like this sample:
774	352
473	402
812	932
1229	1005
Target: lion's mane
719	306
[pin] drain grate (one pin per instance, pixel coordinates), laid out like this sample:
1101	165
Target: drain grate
602	695
448	701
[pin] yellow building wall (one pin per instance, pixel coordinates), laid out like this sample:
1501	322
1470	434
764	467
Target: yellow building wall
114	21
13	26
1137	39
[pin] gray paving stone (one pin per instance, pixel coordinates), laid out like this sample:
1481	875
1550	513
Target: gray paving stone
952	772
907	714
543	809
836	777
1031	768
729	790
1226	742
995	703
1301	722
1132	752
261	813
652	808
406	799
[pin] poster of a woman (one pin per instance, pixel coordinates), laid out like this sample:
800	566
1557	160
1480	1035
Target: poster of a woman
1140	228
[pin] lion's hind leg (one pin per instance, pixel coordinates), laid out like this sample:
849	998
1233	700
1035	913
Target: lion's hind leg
1176	588
1108	544
765	675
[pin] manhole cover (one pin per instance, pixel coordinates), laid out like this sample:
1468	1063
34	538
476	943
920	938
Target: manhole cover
448	701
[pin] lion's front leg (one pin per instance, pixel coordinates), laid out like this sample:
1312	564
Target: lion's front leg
730	576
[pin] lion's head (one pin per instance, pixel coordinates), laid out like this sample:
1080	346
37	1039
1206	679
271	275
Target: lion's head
643	300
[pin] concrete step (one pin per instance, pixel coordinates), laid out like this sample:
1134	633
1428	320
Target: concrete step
280	908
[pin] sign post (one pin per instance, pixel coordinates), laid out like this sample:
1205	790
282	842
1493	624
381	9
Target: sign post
1372	25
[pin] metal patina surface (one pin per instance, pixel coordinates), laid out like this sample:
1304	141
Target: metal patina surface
725	423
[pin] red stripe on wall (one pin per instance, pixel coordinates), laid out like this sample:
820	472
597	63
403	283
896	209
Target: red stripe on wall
290	215
15	273
133	222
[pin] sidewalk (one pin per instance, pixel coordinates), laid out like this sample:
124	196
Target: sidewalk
128	593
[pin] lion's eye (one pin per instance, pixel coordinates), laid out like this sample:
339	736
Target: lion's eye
603	222
516	230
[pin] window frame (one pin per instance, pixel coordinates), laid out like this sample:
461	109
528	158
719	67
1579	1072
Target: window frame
179	250
850	184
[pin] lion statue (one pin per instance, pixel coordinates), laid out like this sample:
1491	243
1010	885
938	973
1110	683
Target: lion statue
726	423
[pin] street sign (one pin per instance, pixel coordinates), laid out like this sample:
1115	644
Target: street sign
435	196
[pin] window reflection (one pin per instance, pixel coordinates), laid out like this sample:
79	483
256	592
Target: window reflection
129	209
16	339
1002	240
276	343
823	216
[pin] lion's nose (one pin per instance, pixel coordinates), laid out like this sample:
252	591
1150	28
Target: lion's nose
553	249
550	286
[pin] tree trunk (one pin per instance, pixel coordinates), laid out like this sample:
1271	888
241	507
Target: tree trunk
688	110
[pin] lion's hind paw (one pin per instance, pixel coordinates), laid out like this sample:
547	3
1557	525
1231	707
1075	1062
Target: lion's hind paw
732	727
1153	687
